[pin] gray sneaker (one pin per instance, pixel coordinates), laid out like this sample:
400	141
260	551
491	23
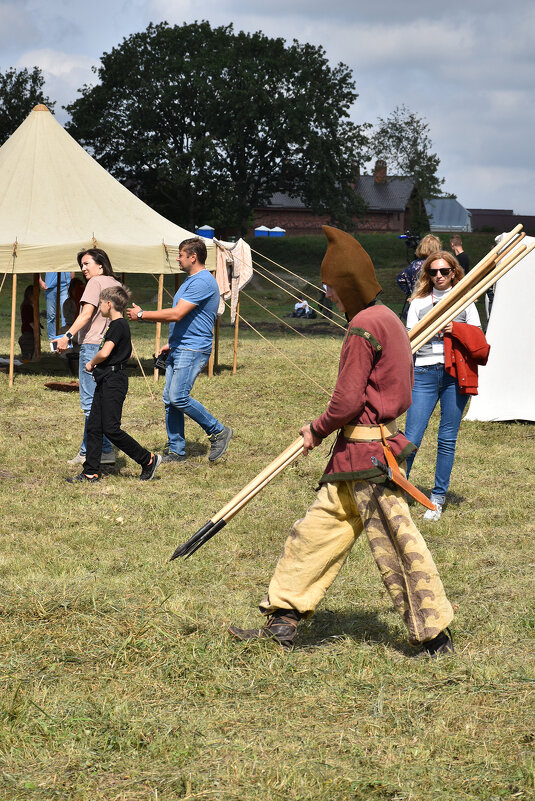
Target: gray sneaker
78	459
220	443
171	456
107	457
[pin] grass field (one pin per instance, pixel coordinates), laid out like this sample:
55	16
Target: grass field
118	681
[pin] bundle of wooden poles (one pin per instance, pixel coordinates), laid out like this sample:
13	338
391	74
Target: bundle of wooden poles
507	253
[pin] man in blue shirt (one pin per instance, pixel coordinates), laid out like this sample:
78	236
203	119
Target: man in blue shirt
191	322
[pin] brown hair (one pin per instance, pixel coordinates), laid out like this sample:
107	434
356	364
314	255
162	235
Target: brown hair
119	296
195	245
425	284
100	257
429	244
456	240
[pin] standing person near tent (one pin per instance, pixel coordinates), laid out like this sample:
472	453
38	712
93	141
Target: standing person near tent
408	278
373	389
191	334
456	245
90	326
445	370
50	287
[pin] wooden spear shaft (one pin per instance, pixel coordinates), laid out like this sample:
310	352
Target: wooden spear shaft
471	279
451	310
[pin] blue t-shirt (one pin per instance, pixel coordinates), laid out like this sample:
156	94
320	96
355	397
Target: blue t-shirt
195	330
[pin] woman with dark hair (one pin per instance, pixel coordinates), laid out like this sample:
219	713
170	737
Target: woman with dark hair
90	326
445	369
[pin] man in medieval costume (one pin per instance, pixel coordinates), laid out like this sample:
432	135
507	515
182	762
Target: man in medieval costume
373	388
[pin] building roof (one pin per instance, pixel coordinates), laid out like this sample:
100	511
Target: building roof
447	214
393	195
390	196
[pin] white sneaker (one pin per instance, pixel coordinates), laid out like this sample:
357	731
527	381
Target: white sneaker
78	459
107	458
434	514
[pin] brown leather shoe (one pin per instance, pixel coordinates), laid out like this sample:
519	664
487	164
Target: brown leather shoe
281	627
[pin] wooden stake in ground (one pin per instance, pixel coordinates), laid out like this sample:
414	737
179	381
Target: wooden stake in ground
158	325
236	331
36	319
12	335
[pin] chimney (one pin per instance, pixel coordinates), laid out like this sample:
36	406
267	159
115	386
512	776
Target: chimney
379	172
355	175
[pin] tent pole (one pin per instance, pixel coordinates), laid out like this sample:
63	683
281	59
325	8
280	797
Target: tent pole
58	303
12	339
236	328
158	325
36	319
216	344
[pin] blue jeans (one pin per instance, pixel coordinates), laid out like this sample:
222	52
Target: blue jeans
432	384
87	390
51	298
183	367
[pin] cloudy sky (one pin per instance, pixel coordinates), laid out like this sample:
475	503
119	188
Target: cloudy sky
467	67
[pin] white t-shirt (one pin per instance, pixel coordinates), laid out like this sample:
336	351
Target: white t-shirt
433	351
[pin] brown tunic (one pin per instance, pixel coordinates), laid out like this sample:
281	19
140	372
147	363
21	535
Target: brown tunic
374	385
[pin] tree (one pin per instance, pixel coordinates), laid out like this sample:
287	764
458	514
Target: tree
402	140
205	124
20	91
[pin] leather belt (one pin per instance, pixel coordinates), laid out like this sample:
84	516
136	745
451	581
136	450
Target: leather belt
356	433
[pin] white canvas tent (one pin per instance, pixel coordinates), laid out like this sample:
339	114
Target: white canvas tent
55	200
507	382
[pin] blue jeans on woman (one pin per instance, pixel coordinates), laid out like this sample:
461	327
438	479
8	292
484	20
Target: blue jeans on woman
433	384
87	386
183	367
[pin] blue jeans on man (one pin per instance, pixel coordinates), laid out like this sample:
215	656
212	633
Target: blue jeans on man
433	384
87	387
51	296
183	367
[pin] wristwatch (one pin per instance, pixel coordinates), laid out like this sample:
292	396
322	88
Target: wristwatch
140	314
68	335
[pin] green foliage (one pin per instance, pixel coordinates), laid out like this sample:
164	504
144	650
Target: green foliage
402	140
205	123
20	91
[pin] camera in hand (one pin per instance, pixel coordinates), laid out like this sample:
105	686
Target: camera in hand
160	361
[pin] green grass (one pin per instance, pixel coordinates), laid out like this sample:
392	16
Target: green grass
118	681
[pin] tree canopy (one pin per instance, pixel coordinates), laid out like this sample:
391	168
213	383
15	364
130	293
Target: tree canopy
20	91
205	124
402	140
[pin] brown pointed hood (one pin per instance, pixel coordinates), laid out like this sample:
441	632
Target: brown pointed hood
348	269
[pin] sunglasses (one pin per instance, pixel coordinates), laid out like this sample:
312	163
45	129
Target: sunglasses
442	271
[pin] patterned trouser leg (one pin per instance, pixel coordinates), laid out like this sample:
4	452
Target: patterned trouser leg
319	545
404	560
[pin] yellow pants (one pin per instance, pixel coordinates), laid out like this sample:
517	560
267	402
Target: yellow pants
320	543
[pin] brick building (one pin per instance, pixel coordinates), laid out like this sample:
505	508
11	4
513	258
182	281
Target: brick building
392	204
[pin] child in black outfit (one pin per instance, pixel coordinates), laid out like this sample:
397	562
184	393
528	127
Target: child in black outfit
109	371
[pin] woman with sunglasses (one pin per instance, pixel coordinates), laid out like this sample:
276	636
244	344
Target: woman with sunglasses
439	376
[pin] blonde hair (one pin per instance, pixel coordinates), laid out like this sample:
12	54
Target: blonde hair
428	245
425	284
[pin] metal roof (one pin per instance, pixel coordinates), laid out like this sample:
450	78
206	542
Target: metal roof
447	214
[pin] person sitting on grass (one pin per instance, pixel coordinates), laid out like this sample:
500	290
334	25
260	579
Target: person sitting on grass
108	367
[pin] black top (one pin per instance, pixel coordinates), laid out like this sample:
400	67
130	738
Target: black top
463	260
119	333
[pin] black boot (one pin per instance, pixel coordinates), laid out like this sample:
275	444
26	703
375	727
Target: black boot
440	645
281	627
